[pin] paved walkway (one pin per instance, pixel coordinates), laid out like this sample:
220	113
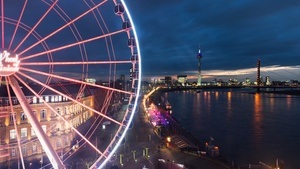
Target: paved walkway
145	149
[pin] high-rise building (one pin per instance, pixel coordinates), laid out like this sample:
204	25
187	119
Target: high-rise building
268	81
182	79
168	81
199	56
258	78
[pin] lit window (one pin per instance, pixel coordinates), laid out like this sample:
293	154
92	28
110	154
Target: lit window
43	114
46	98
23	132
32	132
41	99
58	110
23	116
52	98
56	98
12	134
12	116
34	100
59	98
15	101
44	127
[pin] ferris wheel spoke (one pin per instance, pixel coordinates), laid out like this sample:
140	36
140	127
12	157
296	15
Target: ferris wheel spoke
17	25
41	135
36	25
61	99
2	22
70	98
107	149
72	63
14	121
61	28
73	44
74	80
61	117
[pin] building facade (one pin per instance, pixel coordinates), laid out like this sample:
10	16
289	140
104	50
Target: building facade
60	134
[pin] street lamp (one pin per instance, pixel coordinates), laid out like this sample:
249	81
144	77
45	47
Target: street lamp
147	152
168	141
133	153
121	159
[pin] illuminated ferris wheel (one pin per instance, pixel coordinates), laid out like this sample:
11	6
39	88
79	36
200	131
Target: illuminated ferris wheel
70	78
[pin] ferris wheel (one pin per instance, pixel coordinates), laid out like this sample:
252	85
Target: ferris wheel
70	80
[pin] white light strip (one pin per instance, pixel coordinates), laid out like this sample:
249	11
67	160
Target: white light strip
138	87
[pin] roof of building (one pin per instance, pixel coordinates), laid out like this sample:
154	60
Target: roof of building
66	88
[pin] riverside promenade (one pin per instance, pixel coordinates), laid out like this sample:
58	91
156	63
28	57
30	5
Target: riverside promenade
145	148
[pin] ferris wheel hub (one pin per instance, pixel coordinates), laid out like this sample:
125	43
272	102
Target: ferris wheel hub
9	63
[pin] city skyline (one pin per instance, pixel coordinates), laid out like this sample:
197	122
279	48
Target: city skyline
231	35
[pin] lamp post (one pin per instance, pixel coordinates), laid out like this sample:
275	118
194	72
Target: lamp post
147	152
168	141
121	159
134	158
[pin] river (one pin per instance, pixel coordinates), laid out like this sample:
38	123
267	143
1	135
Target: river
247	127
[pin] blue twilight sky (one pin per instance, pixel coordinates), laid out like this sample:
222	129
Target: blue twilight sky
232	35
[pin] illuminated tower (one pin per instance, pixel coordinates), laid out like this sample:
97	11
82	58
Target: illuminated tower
199	56
258	79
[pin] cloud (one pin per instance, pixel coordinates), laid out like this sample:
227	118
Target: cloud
232	34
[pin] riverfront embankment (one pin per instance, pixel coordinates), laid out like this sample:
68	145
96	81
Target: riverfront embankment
145	148
214	113
181	139
288	90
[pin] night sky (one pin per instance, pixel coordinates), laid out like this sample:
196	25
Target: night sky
232	35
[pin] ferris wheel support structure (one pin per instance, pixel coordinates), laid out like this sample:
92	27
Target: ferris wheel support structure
52	155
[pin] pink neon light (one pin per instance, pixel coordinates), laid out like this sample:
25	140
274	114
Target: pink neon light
52	155
71	63
30	32
2	22
53	110
75	81
17	26
70	98
72	44
14	119
61	28
108	98
8	64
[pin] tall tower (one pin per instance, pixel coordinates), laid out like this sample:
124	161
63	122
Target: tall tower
199	56
258	79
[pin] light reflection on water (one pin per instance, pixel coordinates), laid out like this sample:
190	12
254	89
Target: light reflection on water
247	127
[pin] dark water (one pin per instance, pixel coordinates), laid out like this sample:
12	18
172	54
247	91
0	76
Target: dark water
248	128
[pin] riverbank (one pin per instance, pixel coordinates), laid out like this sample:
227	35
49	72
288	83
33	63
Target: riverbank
224	120
181	139
293	90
